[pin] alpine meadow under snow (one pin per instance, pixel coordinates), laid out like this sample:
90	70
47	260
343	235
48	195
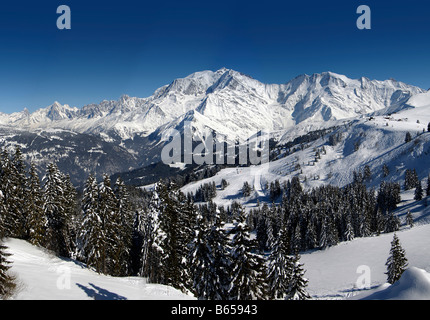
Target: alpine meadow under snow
89	211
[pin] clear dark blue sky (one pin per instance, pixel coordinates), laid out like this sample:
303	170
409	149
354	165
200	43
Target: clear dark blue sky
134	47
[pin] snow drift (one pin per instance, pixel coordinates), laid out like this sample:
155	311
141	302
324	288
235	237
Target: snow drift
413	285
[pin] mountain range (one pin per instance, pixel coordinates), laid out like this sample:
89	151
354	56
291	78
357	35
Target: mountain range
130	132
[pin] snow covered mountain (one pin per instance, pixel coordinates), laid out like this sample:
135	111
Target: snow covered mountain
225	101
228	101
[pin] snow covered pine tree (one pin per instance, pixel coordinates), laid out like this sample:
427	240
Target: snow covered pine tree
247	278
396	262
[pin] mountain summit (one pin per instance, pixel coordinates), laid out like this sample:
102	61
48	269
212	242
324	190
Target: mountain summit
225	100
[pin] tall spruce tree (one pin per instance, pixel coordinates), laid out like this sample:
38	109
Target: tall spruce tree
57	229
298	283
124	217
419	192
19	181
201	262
247	268
280	267
13	217
148	227
167	237
71	213
218	244
92	236
36	221
108	211
396	262
392	222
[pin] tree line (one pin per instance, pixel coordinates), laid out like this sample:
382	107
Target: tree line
326	215
193	249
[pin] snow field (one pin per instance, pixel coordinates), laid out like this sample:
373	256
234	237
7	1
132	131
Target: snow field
43	276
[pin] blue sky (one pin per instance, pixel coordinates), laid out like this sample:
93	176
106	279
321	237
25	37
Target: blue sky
134	47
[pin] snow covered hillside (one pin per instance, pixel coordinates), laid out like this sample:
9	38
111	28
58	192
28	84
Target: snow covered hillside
370	141
43	276
333	273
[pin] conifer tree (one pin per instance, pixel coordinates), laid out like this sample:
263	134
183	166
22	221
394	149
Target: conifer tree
3	212
311	234
364	225
187	219
36	219
218	244
201	262
92	237
380	222
385	170
328	234
247	269
7	281
349	230
392	222
57	237
408	137
246	189
261	231
167	237
148	227
367	173
13	199
419	192
280	268
19	181
396	262
70	213
124	217
108	211
298	283
409	219
411	179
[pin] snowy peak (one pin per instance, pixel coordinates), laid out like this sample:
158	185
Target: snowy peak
60	112
330	96
229	100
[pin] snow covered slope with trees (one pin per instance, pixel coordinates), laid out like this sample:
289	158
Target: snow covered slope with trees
332	273
376	143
